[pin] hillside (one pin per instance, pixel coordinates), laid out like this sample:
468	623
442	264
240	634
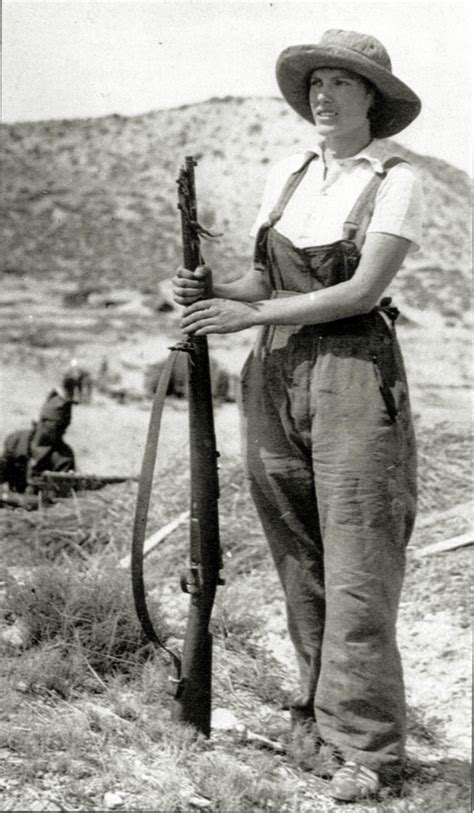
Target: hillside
93	201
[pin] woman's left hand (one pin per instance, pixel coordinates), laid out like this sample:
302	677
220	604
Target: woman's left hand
217	316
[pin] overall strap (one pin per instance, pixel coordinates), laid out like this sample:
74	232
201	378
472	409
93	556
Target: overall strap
290	186
355	226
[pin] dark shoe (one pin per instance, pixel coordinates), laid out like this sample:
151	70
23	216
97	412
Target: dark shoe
354	782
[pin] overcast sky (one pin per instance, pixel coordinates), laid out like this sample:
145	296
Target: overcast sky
83	58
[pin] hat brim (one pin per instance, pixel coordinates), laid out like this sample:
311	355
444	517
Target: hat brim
296	64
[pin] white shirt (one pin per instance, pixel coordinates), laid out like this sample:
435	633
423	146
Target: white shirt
316	212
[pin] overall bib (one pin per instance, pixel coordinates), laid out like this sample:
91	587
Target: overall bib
331	459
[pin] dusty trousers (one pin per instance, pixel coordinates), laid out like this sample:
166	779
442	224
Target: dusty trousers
331	459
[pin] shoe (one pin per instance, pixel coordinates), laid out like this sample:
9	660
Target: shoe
353	782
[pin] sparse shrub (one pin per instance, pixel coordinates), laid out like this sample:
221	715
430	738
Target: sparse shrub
13	271
232	787
39	336
48	669
80	296
85	624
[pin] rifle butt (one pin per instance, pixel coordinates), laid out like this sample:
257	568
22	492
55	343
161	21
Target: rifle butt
192	704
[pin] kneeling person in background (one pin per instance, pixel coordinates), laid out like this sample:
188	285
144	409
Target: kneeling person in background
29	452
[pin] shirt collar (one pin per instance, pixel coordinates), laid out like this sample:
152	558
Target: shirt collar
376	153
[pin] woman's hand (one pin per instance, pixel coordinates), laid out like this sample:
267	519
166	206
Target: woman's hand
189	286
218	316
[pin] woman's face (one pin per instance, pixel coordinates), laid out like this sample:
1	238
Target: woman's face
339	101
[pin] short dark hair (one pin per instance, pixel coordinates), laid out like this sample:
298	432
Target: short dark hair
376	109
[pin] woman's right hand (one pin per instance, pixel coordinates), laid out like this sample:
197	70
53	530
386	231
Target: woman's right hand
189	286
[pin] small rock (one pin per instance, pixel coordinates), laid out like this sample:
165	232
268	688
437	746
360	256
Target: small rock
18	635
113	800
307	807
21	686
80	770
223	720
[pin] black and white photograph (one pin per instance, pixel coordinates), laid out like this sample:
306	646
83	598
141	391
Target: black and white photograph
235	406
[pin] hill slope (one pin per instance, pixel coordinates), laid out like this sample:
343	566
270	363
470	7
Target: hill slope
94	200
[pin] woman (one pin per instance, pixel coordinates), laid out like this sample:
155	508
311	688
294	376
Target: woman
330	445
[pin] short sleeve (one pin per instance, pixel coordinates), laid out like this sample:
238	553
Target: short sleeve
276	179
399	205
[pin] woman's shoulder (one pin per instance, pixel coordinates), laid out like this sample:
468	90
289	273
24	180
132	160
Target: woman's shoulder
394	161
400	175
399	202
384	155
402	178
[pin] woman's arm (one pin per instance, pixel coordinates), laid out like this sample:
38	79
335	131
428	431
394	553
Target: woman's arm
381	257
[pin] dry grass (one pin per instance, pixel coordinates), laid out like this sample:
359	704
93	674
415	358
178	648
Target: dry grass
83	715
81	627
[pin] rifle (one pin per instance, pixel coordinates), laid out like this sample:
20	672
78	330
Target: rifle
61	483
191	676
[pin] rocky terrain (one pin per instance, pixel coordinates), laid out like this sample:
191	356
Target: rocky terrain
92	203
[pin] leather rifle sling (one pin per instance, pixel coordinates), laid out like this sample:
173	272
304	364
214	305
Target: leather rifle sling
142	507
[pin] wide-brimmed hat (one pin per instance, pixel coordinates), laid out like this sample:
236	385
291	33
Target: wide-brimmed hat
361	54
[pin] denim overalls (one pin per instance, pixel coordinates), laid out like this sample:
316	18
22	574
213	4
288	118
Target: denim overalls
331	458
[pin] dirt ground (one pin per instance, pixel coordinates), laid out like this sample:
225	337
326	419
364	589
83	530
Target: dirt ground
438	368
108	438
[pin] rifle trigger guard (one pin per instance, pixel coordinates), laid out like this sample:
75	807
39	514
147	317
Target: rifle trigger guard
191	582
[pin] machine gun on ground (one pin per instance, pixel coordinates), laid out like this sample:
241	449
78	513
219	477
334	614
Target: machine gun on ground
49	486
55	484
